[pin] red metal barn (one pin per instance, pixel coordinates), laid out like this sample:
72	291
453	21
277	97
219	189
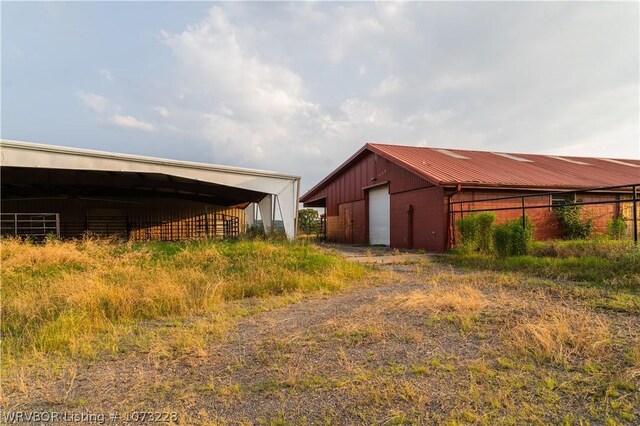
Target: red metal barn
400	196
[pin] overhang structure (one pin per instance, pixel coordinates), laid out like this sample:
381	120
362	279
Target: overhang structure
31	171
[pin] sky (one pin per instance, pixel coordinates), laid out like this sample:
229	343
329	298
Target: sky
299	87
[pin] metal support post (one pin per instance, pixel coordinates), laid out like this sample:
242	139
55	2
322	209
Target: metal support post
635	215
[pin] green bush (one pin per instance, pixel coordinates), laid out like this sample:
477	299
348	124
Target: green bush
617	228
513	239
255	232
573	225
468	229
502	240
476	232
484	233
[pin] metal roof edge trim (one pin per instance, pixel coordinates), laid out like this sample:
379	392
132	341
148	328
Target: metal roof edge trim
30	146
432	180
475	185
372	148
331	175
313	200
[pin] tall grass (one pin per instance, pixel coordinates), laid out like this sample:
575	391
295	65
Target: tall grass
63	297
600	261
599	247
618	273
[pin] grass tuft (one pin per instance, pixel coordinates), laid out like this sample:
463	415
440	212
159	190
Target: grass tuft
441	299
559	334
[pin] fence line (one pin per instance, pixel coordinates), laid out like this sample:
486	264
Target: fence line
36	225
608	191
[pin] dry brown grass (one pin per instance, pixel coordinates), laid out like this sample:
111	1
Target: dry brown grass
17	255
632	373
79	297
441	299
559	333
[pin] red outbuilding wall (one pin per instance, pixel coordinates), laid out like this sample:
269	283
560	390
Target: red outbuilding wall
421	181
418	219
346	204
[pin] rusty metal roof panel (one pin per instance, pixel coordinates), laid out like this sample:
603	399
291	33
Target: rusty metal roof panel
499	169
511	170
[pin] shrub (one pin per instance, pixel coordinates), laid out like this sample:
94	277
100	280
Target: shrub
476	232
256	232
468	229
502	240
617	228
513	239
574	226
484	235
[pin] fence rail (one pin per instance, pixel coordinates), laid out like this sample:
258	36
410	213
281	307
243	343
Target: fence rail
213	224
623	200
32	225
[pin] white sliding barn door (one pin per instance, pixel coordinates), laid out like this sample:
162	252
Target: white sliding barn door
379	215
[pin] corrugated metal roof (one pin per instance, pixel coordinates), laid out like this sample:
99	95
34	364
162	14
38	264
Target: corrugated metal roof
496	169
39	156
27	147
482	168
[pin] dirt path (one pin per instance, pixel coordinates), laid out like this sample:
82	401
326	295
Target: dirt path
344	358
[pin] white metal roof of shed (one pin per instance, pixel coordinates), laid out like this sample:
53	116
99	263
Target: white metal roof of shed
26	154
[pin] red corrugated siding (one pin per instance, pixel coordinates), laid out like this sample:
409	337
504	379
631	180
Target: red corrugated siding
346	192
428	217
348	186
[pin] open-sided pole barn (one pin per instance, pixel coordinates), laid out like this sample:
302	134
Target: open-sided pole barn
69	191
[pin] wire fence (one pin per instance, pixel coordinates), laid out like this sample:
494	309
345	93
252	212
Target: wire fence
600	205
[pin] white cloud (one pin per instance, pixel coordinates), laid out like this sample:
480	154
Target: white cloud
359	111
250	108
96	103
211	51
106	74
108	112
389	86
164	112
129	122
305	95
299	88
